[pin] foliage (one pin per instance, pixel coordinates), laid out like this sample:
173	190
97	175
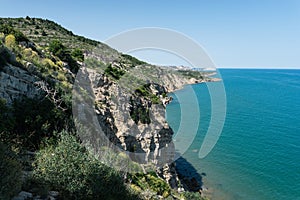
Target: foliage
151	181
10	41
44	33
133	60
114	72
88	41
49	64
30	121
59	50
68	168
191	74
56	47
10	173
7	30
30	54
78	54
145	91
138	112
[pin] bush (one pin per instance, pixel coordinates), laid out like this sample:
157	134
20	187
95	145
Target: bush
10	41
61	76
59	50
145	91
68	168
10	173
114	72
56	47
78	54
139	112
151	181
8	29
30	55
35	120
44	33
49	64
133	60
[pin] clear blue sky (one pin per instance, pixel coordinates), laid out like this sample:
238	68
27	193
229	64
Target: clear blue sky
235	33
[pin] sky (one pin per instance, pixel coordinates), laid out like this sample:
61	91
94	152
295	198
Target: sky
234	33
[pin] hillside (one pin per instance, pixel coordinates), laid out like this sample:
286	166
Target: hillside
44	118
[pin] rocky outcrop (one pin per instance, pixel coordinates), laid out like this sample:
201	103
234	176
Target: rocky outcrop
16	83
146	141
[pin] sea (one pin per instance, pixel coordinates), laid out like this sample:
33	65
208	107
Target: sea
256	155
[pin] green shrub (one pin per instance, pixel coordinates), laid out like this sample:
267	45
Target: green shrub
68	168
59	50
151	181
56	47
44	33
8	29
114	72
10	173
138	112
191	74
78	54
145	91
35	120
133	60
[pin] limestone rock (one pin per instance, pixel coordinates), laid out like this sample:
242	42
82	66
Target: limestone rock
17	83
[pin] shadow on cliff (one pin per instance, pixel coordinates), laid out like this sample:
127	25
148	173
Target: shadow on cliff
190	179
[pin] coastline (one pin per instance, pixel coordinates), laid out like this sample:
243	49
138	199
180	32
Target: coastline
189	176
194	81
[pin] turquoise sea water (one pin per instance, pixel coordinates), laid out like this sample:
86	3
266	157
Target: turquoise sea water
258	153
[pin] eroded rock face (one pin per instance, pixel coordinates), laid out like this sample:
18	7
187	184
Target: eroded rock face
145	143
148	142
16	83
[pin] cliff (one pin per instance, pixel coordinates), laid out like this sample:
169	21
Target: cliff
120	99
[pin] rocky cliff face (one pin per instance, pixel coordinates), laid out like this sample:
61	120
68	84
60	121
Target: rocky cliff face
148	142
132	122
17	83
126	115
